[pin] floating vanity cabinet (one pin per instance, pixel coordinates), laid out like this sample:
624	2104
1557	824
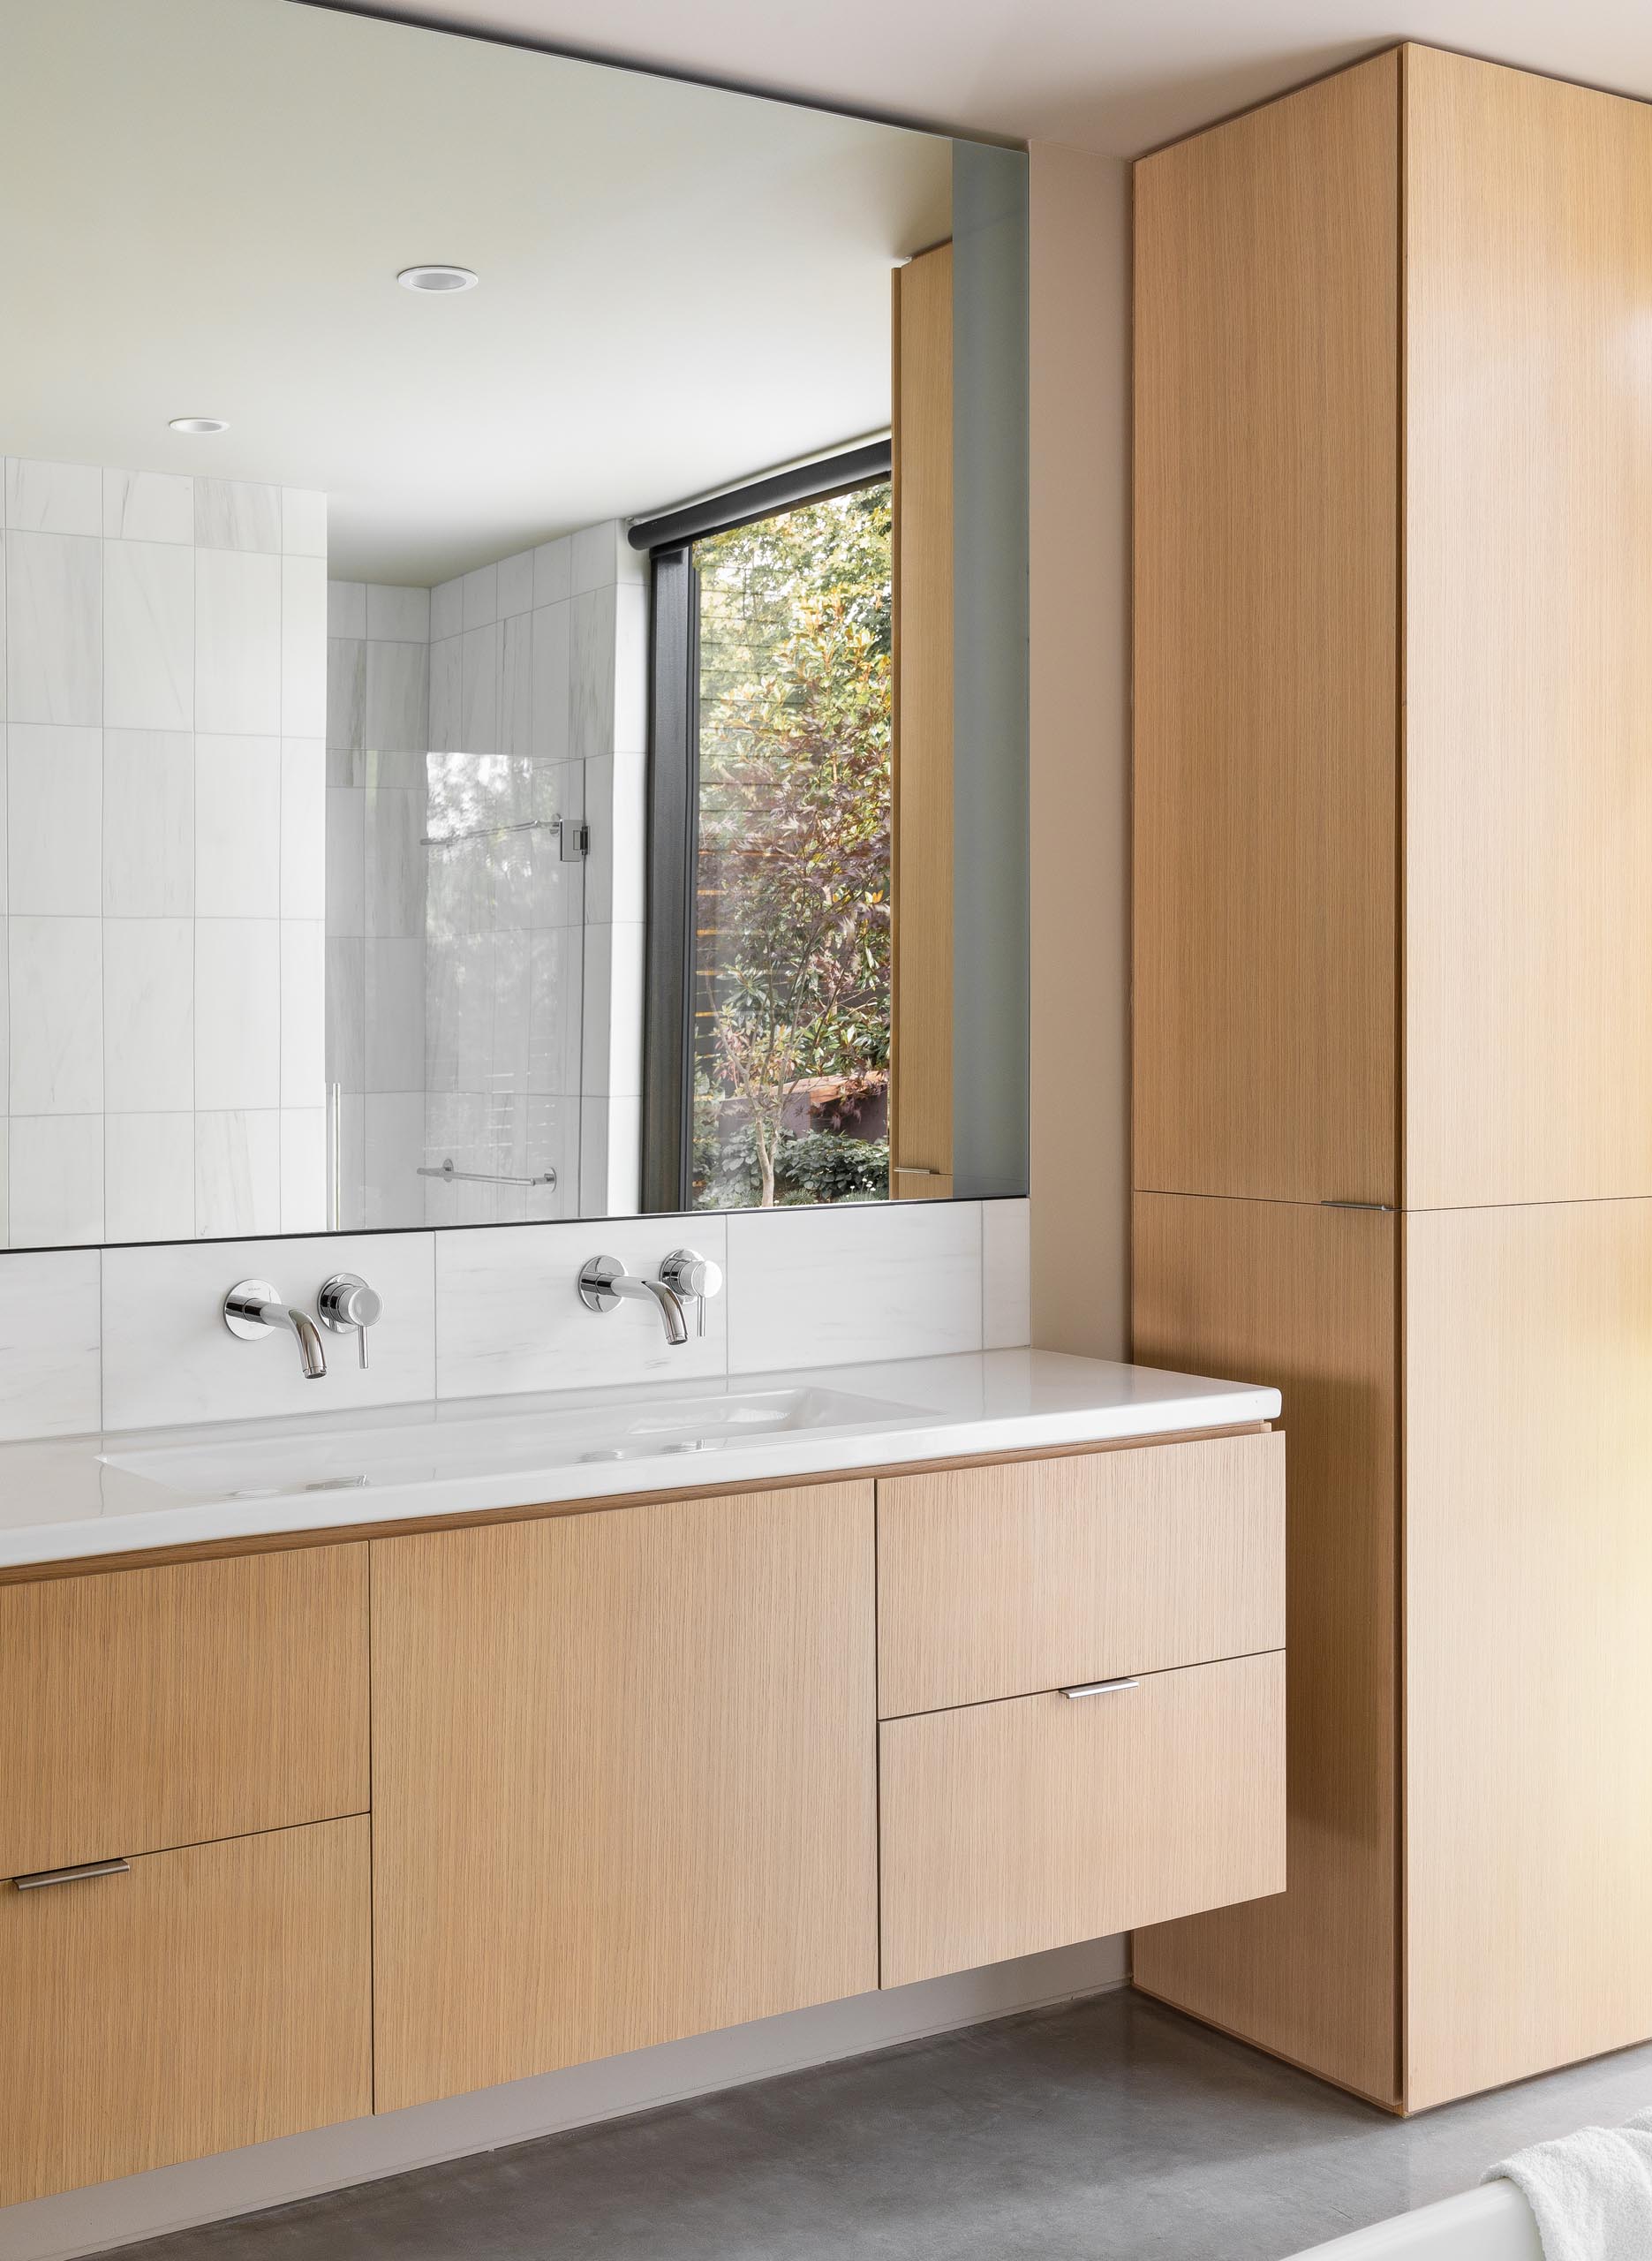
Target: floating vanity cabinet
198	1728
624	1781
637	1772
1394	1024
1038	1807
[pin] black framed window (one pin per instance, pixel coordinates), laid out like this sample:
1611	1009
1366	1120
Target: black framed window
766	1014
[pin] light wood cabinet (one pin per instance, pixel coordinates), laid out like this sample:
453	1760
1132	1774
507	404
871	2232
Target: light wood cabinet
624	1781
1009	1827
1528	1652
1002	1581
1393	822
1306	1298
207	1998
158	1707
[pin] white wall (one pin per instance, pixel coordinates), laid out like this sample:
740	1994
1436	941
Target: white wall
162	708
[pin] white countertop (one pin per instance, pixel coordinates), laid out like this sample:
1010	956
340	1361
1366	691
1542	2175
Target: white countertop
67	1497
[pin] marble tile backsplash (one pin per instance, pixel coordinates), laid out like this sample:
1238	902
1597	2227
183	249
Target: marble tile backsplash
130	1337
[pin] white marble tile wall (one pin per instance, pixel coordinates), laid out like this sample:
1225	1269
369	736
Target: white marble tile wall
538	677
131	1338
162	681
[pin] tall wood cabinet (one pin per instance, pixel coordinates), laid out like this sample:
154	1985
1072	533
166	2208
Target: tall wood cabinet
1394	1012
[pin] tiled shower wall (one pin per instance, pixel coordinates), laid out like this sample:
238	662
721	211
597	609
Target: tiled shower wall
538	677
484	987
161	697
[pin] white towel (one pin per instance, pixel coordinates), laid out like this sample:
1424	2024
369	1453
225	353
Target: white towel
1591	2192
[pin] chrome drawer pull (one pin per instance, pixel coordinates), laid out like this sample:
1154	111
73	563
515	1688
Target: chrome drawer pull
44	1877
1098	1688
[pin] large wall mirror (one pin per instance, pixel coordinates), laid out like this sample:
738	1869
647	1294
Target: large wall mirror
514	678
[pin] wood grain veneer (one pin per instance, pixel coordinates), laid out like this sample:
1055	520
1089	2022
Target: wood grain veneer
1010	1827
166	1706
998	1581
921	992
1528	1643
625	1773
212	1997
1267	465
1305	1298
1528	641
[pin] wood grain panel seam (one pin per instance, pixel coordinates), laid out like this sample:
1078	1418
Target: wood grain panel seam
195	1844
1025	1695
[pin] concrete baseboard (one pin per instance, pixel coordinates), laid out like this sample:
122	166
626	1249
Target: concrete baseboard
113	2214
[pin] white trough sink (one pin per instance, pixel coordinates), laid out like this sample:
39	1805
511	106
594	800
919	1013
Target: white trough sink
414	1450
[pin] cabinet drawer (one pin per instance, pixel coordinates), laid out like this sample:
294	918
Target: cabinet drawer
207	1999
1011	1826
153	1708
995	1582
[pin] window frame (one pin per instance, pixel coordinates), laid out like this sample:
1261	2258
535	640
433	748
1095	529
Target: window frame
673	790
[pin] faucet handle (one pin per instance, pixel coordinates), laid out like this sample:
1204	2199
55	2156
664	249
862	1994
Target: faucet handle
691	1275
349	1305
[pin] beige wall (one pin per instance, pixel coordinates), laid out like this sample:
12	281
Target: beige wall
1080	769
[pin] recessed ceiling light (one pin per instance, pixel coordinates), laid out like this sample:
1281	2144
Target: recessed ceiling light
197	424
438	278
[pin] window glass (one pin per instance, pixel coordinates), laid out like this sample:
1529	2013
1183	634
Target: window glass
790	1052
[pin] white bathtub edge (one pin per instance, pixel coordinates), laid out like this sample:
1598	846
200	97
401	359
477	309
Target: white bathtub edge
1493	2223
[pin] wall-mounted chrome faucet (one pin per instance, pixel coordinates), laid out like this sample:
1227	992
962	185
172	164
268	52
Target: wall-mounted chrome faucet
684	1278
251	1309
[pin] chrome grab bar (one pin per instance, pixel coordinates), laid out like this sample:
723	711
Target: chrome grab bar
484	1176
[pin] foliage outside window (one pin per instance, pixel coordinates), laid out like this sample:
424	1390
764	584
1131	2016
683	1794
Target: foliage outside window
792	875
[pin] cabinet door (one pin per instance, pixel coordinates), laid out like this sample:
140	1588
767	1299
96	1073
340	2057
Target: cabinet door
1528	565
1528	1640
1002	1581
624	1781
168	1707
1267	477
1010	1827
203	1999
1304	1297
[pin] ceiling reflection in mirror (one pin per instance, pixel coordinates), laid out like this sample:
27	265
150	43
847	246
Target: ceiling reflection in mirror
514	679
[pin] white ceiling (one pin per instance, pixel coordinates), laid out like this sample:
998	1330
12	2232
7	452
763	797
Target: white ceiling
204	204
1115	75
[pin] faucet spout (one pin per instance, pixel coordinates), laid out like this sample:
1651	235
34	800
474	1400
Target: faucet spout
251	1308
669	1303
604	1280
671	1312
312	1354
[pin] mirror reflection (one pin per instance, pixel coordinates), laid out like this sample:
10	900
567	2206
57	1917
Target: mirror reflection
514	676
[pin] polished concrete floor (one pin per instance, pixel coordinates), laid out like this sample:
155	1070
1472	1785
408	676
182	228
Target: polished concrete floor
1109	2130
